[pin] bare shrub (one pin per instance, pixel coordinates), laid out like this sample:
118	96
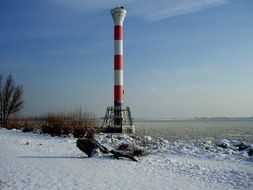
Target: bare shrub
58	124
86	123
55	125
28	127
24	124
47	129
64	124
13	124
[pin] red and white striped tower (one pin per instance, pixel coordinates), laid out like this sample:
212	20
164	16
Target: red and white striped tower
118	118
118	15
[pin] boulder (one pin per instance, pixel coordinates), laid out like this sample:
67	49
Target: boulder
86	145
89	146
148	139
206	144
222	143
235	143
243	146
250	151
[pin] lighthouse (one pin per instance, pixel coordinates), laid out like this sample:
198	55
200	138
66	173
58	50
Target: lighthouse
118	15
118	118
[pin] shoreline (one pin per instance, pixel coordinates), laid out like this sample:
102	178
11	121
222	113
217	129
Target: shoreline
38	161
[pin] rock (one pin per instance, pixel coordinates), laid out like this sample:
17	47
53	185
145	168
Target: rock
106	141
239	144
139	151
243	146
89	135
89	146
162	141
206	144
250	151
96	152
235	143
86	145
148	139
122	154
222	143
123	146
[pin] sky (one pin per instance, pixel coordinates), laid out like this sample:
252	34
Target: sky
182	58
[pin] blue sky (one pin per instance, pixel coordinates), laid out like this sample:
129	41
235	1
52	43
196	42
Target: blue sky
182	58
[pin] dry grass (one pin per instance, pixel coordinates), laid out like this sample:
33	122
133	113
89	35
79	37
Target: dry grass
24	124
75	123
58	124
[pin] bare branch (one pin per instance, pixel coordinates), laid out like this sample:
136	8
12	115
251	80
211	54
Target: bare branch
10	98
16	103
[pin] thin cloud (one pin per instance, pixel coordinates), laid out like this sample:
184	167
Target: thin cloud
88	5
152	10
160	9
195	70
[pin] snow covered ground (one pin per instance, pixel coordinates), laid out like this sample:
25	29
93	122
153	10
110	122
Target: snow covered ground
34	161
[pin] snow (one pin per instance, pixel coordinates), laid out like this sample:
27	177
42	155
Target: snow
35	161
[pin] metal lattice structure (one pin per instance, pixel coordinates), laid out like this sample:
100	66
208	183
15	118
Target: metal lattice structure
120	123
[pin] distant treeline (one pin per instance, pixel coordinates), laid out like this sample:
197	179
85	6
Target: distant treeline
223	118
191	119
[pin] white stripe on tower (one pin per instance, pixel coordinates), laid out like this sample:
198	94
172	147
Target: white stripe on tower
118	77
118	47
118	15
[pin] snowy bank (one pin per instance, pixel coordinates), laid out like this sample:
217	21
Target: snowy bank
33	161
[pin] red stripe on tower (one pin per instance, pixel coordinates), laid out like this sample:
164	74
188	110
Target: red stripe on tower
118	62
118	92
118	32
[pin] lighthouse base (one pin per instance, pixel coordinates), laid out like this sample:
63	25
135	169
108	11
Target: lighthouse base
118	120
